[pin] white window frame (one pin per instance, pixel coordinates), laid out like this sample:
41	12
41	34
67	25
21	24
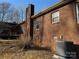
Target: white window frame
54	16
77	12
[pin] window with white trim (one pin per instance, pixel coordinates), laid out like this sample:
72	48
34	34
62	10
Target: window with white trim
55	17
77	10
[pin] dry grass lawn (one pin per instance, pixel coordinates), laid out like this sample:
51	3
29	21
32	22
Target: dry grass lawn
30	54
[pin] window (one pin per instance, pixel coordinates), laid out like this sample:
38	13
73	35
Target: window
37	25
55	17
77	10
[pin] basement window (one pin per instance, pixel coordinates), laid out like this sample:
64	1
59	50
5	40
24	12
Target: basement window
37	27
55	17
77	10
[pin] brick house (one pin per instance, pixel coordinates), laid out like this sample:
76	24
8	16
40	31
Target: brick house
58	22
44	28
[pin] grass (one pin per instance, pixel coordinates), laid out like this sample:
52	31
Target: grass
30	54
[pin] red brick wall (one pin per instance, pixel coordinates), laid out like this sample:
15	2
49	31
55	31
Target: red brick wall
38	33
66	27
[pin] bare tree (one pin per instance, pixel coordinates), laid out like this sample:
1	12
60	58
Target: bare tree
8	14
13	16
22	15
3	10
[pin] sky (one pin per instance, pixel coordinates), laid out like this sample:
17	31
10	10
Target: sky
40	5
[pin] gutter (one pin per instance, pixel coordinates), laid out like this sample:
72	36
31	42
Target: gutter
60	4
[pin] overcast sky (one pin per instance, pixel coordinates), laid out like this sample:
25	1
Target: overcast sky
39	4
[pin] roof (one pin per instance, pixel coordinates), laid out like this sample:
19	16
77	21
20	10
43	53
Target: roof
22	22
7	24
56	6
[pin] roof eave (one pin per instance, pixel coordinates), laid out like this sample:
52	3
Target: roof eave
53	8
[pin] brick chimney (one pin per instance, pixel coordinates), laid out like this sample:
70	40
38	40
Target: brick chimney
29	11
29	21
